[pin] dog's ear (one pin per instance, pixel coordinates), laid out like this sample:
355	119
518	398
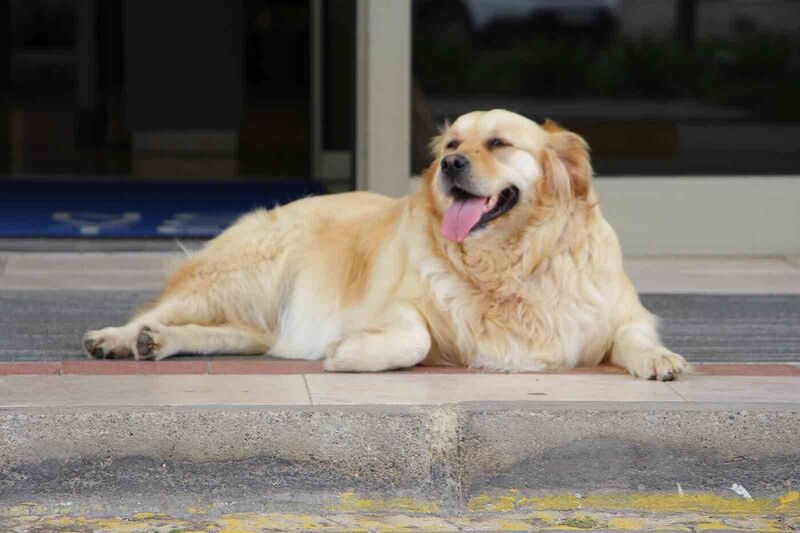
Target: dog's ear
435	147
566	163
436	140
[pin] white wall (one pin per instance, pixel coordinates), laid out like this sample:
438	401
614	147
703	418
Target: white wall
748	215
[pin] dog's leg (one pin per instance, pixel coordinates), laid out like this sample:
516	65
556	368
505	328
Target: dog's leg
120	342
152	335
159	342
163	320
400	340
638	349
111	343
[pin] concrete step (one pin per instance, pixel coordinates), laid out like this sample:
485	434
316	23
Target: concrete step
253	453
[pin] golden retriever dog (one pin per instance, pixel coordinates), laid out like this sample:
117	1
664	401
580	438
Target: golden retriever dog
502	260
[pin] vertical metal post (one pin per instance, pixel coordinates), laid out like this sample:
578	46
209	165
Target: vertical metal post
383	96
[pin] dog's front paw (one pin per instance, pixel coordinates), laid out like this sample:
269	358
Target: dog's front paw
659	364
108	343
349	356
343	360
149	344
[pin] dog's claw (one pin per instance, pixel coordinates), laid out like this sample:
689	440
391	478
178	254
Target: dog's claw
144	343
94	349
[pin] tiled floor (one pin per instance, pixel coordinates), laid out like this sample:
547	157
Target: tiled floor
62	391
91	271
396	389
384	389
715	275
231	380
732	389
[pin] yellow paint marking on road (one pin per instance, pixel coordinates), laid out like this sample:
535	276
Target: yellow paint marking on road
792	497
55	519
789	503
351	503
241	522
625	523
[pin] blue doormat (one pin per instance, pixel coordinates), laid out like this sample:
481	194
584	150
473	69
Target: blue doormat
136	209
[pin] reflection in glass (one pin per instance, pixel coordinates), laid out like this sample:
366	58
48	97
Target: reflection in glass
656	86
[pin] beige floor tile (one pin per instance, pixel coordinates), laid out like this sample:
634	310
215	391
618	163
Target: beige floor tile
143	271
449	388
743	275
739	388
81	281
131	261
29	391
89	271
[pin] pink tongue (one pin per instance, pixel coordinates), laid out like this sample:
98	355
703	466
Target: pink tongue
462	217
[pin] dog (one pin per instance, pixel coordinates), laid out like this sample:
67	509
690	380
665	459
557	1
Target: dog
501	260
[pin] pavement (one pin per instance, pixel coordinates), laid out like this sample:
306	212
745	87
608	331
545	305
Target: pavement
712	309
399	452
257	444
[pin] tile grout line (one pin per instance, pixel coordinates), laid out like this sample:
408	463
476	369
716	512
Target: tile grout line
793	261
673	389
308	390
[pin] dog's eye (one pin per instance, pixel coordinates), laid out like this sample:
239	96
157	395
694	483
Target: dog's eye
497	143
452	145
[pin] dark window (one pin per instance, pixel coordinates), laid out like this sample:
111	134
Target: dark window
658	87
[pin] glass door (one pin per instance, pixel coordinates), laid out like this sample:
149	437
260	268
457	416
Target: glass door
147	120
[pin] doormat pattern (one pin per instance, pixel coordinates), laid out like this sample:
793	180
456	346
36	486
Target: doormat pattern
136	209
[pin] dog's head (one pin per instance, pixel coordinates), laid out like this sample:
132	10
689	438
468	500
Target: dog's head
495	169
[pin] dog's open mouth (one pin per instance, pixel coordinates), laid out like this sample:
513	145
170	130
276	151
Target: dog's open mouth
470	212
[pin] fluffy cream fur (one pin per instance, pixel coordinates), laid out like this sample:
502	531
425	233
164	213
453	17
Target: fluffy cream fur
370	283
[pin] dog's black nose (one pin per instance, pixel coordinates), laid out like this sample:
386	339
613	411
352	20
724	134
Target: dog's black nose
455	165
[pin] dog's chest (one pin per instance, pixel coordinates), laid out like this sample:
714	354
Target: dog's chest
538	324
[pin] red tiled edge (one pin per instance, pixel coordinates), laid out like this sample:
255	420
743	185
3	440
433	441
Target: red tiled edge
758	369
108	368
243	366
30	367
602	369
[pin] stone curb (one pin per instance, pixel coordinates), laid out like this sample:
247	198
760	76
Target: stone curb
483	457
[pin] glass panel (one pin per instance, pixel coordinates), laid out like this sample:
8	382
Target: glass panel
657	87
167	118
275	135
339	66
119	88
